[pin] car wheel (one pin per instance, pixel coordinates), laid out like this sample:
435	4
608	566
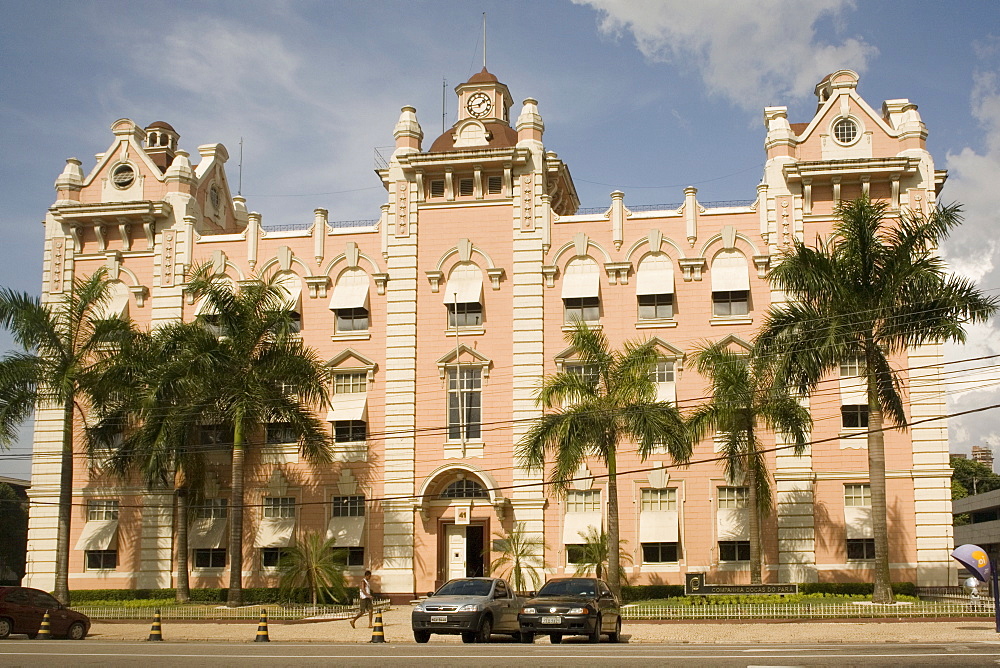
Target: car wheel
595	635
5	627
421	636
556	638
485	630
527	638
617	635
77	631
468	637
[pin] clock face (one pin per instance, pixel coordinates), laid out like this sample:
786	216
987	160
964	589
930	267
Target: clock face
479	105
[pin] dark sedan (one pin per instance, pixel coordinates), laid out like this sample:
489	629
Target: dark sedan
572	607
22	610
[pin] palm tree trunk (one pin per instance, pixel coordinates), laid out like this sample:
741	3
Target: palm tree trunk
614	542
235	596
753	516
876	479
183	588
61	587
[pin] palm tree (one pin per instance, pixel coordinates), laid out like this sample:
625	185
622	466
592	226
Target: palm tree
592	414
148	427
314	564
66	347
520	557
260	372
595	553
744	401
875	290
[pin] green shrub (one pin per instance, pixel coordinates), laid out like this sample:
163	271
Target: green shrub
152	597
809	592
633	593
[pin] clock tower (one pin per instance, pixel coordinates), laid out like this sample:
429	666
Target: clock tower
484	98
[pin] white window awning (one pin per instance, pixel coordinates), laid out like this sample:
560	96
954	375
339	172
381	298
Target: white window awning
352	406
658	526
116	303
581	279
274	532
858	521
733	524
204	308
730	272
291	290
351	290
666	392
576	523
348	531
655	276
465	285
207	534
98	535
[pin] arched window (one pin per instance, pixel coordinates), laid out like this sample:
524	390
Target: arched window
292	295
350	301
654	287
581	290
730	285
465	488
463	296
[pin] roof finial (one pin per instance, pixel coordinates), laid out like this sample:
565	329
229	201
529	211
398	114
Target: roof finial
484	40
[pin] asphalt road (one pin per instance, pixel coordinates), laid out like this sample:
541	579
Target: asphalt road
14	652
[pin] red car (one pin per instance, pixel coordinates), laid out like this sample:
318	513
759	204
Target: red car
22	609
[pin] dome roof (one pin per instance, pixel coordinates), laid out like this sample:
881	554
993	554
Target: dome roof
160	125
501	136
483	77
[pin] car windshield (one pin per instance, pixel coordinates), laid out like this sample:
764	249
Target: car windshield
466	588
568	588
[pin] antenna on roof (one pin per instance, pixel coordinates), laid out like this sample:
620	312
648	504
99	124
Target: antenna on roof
444	113
484	40
239	185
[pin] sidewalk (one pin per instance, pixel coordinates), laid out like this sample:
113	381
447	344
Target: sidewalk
397	630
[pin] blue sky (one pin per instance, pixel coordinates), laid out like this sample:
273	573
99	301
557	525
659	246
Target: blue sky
643	96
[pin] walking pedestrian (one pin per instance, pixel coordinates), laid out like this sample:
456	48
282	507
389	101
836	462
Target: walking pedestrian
366	603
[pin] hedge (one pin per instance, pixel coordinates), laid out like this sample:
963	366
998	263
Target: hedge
635	593
251	595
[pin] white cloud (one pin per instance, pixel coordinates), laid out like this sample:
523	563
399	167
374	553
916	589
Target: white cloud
753	53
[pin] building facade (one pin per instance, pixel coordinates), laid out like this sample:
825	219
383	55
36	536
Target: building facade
439	319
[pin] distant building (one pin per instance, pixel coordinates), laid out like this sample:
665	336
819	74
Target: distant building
983	455
983	528
441	315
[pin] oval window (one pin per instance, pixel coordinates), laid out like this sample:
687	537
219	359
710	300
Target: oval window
123	176
845	131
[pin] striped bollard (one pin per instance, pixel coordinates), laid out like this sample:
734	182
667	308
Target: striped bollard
262	627
156	633
378	631
45	632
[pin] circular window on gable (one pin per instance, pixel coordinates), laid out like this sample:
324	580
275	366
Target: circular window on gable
123	176
215	197
845	131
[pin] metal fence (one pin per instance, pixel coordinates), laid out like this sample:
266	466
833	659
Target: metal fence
222	613
805	611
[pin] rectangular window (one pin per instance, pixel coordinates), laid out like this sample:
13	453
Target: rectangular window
280	432
295	319
860	548
587	309
733	302
734	550
494	185
270	557
437	188
210	557
589	372
653	307
852	367
733	497
352	319
854	417
348	506
215	436
350	383
213	323
102	509
350	431
350	556
465	187
464	404
575	554
101	560
663	372
654	500
211	509
659	553
279	506
467	314
858	495
583	501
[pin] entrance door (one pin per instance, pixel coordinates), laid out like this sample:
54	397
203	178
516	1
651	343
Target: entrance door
464	550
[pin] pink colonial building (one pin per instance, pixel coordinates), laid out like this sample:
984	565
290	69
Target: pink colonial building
441	316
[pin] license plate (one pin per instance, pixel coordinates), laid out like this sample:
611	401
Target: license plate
439	619
551	620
